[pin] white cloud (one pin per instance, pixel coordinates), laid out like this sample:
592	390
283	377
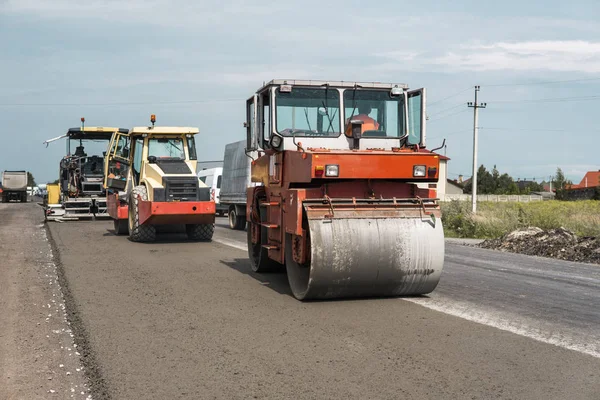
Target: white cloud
181	13
551	55
560	56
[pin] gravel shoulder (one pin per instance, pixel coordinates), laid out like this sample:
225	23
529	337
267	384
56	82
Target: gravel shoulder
560	244
38	358
175	319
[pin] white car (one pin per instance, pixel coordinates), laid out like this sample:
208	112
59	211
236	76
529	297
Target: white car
212	177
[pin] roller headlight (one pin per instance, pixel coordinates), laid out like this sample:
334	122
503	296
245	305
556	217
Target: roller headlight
332	170
276	142
419	170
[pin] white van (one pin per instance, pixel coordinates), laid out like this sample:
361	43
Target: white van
212	178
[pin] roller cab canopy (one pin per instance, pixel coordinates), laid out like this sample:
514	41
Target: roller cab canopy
164	130
93	132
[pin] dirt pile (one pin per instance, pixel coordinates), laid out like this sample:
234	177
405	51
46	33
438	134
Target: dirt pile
556	243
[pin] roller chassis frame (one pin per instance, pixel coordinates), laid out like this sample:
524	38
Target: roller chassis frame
163	213
75	208
288	214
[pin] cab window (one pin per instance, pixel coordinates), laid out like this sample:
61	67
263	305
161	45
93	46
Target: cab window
166	148
191	143
382	115
308	112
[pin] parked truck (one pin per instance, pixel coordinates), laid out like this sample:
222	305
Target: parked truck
236	180
14	186
213	177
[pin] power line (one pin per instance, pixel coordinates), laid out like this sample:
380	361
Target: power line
533	129
549	99
445	135
118	104
542	83
449	108
449	97
522	129
447	115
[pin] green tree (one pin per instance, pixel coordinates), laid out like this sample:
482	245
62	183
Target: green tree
507	185
560	184
495	180
484	179
30	180
493	183
532	187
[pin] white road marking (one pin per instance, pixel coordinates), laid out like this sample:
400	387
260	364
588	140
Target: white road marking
527	327
538	330
232	243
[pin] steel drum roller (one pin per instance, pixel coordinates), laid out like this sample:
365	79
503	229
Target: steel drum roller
358	257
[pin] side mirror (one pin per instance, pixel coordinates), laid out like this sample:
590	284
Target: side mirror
356	128
249	145
152	159
356	132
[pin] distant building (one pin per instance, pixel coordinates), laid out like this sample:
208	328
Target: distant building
522	184
547	186
453	187
546	195
590	179
445	185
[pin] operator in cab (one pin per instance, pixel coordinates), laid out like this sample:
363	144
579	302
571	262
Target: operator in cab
369	124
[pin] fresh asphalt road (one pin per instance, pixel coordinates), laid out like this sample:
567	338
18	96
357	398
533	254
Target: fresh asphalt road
550	300
175	319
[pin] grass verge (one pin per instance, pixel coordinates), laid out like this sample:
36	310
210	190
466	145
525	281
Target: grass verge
496	219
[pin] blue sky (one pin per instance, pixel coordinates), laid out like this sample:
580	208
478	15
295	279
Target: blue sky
195	62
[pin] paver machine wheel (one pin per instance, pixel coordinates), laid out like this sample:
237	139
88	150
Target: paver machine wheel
200	232
139	232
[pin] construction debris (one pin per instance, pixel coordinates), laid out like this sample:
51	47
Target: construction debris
555	243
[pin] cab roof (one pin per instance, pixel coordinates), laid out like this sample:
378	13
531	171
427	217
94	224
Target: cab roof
340	84
165	130
93	132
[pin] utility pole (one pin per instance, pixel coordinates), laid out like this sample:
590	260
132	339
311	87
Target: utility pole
476	106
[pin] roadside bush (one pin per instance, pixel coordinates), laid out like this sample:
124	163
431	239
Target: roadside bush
496	219
457	219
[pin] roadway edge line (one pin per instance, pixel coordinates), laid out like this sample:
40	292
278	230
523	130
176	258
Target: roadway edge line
93	372
528	333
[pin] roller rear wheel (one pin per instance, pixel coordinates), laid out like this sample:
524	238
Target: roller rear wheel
259	256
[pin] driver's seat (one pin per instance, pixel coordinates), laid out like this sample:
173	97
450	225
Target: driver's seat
80	152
